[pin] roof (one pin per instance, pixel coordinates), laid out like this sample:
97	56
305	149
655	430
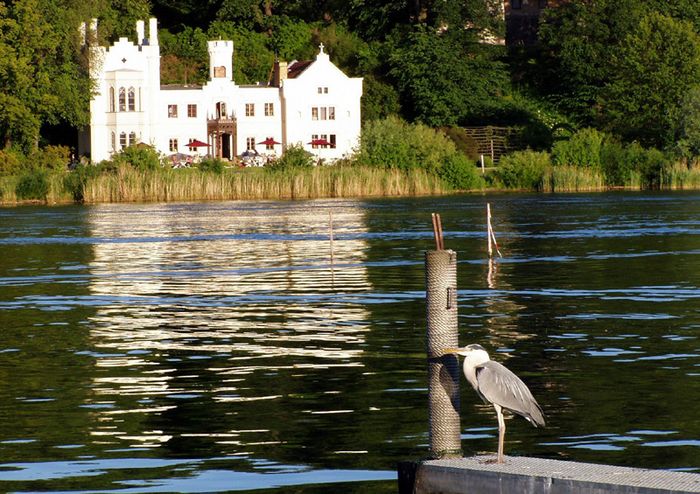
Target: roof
296	68
179	86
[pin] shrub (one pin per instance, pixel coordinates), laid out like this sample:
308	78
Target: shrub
649	162
140	156
74	182
465	143
582	149
394	143
460	173
10	161
50	157
524	169
211	165
33	184
616	165
295	156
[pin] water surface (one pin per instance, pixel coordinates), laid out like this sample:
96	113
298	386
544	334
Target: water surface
215	347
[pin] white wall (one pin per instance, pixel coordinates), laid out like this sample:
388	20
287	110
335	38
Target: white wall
301	94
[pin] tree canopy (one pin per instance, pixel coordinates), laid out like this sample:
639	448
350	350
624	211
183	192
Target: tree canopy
626	67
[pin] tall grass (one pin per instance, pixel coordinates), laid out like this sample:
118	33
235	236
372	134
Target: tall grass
56	193
681	175
127	184
566	178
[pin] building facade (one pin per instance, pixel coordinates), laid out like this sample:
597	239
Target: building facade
311	103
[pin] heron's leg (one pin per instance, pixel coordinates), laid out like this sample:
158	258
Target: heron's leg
501	432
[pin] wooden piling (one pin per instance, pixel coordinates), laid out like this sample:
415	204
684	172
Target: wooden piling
443	370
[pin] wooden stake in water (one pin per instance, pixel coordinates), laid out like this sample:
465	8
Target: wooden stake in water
330	236
437	232
489	233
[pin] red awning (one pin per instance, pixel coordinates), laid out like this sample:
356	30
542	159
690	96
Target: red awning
319	142
197	144
269	142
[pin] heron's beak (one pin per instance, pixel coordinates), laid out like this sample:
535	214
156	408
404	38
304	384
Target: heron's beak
451	351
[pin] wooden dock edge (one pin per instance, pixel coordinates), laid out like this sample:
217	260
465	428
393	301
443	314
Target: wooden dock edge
523	475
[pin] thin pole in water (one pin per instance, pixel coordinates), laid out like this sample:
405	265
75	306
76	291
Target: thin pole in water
437	232
489	233
330	236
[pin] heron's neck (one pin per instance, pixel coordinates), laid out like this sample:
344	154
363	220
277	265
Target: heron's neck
470	373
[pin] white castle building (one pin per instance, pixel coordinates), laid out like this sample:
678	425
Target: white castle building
311	103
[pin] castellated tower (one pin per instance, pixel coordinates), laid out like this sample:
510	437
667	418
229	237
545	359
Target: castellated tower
220	60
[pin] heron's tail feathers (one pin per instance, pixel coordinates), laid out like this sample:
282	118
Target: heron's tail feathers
536	416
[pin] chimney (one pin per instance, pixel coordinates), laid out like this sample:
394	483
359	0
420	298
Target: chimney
153	31
279	73
140	32
92	36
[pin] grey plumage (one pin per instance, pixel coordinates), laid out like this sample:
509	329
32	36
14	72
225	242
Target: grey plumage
497	384
500	387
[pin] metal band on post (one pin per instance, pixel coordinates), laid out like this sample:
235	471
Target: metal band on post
443	371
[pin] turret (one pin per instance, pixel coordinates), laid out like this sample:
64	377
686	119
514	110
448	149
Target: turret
220	60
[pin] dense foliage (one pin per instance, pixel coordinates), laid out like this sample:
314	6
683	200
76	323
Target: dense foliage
612	86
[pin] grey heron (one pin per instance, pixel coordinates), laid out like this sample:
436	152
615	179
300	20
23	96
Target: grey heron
497	385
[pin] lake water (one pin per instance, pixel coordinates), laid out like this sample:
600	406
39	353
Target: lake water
213	347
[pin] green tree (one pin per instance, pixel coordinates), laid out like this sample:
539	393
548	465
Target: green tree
444	79
41	76
579	40
656	66
689	141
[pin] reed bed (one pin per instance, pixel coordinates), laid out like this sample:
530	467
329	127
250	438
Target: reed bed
56	191
566	178
131	185
680	176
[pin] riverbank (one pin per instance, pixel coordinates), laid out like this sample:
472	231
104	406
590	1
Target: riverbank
128	184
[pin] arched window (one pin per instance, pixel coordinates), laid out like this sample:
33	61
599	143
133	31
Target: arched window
221	110
114	141
132	99
132	138
122	99
111	99
122	140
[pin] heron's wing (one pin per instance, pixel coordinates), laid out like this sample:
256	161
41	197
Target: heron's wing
499	385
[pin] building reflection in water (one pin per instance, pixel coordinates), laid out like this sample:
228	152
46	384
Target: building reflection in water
196	300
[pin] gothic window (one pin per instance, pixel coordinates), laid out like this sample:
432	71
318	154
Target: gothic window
132	99
111	99
122	99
